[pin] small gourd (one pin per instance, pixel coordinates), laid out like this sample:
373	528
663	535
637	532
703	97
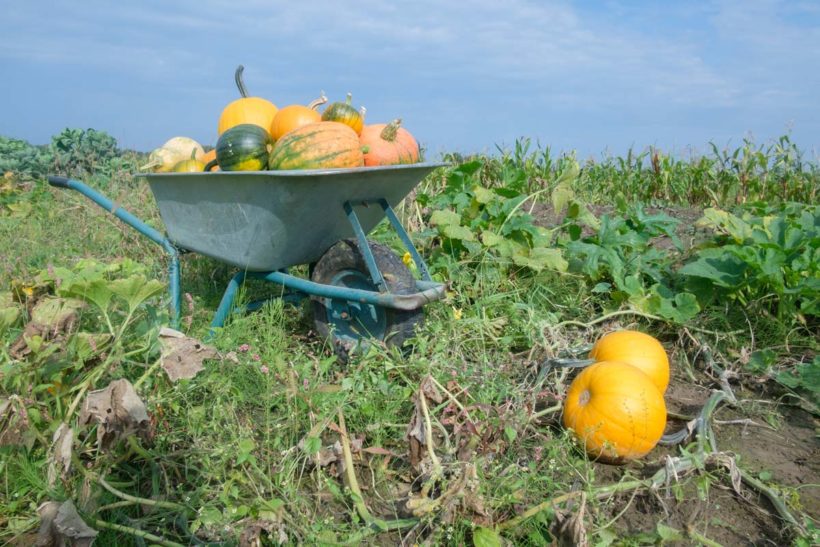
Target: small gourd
346	114
175	150
191	165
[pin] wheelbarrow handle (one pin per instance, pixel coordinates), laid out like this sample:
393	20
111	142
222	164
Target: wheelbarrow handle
135	223
59	182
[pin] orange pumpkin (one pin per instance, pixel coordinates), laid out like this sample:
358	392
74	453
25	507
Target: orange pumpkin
295	116
615	411
639	350
253	110
209	157
388	144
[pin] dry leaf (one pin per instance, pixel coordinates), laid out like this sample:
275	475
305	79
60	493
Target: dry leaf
252	533
568	527
50	318
59	461
119	412
61	526
416	433
182	356
14	424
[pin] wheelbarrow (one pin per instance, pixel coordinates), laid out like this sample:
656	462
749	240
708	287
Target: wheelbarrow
265	222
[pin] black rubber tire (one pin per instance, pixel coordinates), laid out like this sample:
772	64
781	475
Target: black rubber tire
345	255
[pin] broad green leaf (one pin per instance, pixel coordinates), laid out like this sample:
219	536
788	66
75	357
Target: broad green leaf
445	217
729	223
550	258
491	239
725	270
54	312
561	196
8	316
246	445
90	344
486	537
136	289
483	195
95	291
570	173
457	232
667	533
677	307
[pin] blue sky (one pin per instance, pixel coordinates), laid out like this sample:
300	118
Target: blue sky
464	75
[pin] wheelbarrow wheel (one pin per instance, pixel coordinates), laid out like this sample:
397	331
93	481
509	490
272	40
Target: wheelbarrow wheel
348	325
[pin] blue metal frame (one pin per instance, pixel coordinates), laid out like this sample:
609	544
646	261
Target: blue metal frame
428	290
141	227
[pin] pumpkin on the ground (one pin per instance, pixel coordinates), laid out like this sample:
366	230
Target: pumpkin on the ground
295	116
346	114
244	147
388	144
615	411
255	110
320	145
639	350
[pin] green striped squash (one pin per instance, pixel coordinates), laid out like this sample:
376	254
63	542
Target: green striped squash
243	147
319	145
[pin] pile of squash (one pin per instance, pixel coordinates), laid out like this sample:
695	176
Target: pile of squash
615	407
255	135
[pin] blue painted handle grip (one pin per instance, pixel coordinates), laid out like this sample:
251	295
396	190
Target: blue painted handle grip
59	182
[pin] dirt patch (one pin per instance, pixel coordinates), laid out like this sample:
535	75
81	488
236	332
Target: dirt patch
775	443
686	231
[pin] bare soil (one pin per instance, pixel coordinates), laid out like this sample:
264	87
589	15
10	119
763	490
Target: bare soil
774	442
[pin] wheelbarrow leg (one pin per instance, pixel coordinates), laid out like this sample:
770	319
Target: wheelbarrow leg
226	304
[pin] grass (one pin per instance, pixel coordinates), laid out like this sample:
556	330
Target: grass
257	441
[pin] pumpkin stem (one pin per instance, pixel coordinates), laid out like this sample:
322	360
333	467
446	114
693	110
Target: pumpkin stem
349	99
389	132
210	165
362	112
150	164
239	83
193	153
314	104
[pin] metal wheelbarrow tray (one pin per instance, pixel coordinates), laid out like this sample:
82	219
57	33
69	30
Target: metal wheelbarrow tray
264	222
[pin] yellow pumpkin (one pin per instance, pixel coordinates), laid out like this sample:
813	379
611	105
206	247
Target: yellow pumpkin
255	110
639	350
615	411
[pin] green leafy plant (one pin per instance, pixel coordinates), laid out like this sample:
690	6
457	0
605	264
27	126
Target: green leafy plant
471	219
26	160
83	151
768	257
620	260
